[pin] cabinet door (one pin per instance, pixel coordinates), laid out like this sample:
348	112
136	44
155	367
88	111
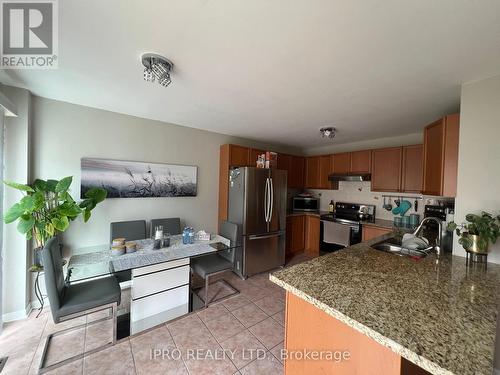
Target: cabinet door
254	153
297	233
325	168
360	161
284	162
369	232
312	172
433	157
239	156
296	172
341	163
312	224
386	169
412	169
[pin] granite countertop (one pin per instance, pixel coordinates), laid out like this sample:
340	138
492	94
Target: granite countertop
435	312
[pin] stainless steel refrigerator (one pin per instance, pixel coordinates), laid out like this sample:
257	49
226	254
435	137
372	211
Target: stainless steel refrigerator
257	203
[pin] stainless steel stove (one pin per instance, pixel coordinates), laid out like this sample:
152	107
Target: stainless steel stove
346	230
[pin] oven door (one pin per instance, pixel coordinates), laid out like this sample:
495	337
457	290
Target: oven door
335	236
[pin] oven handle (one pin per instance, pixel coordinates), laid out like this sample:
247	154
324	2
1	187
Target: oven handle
356	226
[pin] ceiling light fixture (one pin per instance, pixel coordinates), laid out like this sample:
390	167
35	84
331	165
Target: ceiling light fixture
328	132
157	67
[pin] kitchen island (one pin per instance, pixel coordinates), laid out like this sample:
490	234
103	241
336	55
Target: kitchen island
393	314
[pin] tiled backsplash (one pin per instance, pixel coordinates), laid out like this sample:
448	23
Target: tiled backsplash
359	192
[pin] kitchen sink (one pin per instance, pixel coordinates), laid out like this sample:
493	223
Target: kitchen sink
392	247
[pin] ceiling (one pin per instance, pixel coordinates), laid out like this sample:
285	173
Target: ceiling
276	70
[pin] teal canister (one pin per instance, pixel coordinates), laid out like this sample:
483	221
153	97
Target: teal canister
405	220
414	219
397	221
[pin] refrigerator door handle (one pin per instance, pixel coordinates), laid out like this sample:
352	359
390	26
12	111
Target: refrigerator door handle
261	237
266	201
272	200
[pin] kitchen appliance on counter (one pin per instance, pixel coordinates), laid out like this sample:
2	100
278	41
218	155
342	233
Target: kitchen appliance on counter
445	213
305	203
343	228
257	203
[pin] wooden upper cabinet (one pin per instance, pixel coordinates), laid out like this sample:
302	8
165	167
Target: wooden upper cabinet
411	180
360	162
239	156
341	163
284	162
386	169
325	168
254	153
296	172
441	157
312	172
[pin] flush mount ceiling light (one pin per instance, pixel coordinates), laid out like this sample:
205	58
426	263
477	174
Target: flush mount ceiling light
157	67
328	132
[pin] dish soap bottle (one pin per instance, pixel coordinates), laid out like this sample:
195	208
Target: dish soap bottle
331	207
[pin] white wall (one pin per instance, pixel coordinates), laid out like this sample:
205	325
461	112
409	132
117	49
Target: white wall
15	247
64	133
478	186
333	147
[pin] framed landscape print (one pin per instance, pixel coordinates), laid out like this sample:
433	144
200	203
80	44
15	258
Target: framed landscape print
130	179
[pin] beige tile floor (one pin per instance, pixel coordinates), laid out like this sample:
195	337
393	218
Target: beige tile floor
240	335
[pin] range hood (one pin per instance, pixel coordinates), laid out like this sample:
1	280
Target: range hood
350	177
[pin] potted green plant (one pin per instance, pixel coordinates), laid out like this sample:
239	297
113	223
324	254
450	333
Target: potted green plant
47	208
478	232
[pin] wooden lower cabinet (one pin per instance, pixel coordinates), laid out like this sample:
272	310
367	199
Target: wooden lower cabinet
312	224
295	234
311	329
302	234
369	232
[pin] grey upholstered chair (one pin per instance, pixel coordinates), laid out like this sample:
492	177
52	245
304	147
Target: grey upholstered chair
130	230
222	261
72	301
170	225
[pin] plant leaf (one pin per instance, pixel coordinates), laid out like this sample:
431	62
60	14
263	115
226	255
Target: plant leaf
51	185
86	215
13	213
96	194
49	228
40	185
25	226
64	184
69	209
60	223
27	204
17	186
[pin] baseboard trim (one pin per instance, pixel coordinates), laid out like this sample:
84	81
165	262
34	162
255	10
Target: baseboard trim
17	315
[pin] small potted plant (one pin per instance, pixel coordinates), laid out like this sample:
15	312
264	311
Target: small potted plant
47	208
478	232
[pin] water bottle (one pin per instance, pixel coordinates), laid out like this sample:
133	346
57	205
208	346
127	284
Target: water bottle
191	236
185	236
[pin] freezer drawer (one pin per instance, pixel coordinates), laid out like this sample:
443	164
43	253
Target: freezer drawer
263	252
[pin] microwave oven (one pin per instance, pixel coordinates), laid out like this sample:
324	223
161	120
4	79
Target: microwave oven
307	204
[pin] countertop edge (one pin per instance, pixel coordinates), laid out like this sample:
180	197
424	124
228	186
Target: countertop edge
379	338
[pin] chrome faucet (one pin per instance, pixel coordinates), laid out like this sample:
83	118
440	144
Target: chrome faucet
437	247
